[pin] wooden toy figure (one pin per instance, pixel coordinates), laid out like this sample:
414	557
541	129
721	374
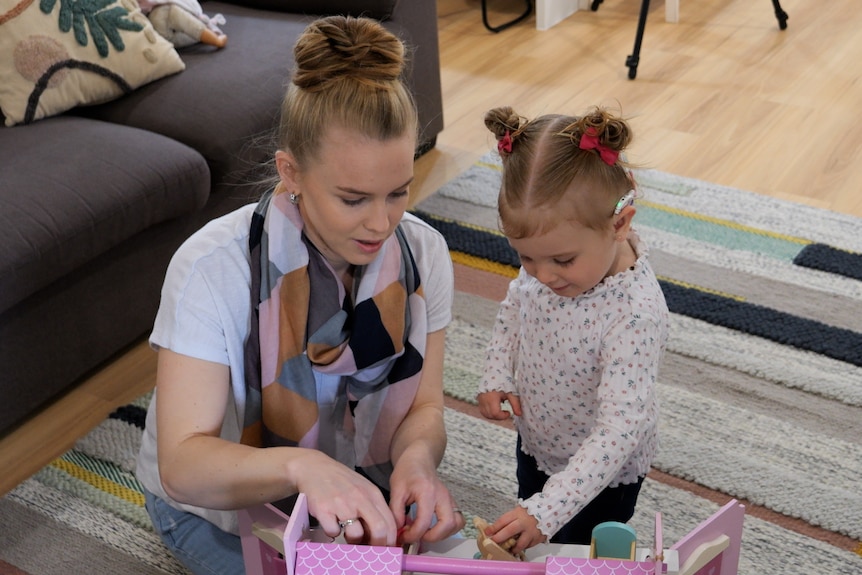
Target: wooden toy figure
490	549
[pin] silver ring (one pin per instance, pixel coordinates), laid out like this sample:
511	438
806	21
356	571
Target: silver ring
347	522
456	510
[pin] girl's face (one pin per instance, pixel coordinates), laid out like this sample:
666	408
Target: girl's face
352	195
571	259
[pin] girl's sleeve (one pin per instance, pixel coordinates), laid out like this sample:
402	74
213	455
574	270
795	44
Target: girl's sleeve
627	413
501	354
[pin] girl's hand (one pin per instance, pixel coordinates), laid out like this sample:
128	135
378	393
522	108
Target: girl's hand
416	481
519	524
491	404
337	494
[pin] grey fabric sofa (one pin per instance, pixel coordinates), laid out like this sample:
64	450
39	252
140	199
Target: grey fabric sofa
94	202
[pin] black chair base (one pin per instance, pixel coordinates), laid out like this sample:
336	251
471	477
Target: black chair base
780	15
510	23
633	59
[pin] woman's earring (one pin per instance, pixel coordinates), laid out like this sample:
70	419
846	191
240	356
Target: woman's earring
294	198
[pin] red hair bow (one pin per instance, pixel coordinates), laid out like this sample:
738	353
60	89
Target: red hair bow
590	141
504	144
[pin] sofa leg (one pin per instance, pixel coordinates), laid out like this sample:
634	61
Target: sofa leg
424	147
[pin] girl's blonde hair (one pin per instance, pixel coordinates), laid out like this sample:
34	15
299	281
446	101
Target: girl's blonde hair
348	74
549	176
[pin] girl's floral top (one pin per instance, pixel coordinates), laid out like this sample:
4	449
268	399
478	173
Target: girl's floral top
585	369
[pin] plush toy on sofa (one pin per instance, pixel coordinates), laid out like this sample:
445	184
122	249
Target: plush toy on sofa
183	22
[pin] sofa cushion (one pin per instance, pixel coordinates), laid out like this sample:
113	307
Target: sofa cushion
227	102
379	9
51	62
80	187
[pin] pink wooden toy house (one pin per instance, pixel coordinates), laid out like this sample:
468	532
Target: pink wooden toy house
277	544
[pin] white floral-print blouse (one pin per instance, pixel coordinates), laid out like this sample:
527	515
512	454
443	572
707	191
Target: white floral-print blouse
585	369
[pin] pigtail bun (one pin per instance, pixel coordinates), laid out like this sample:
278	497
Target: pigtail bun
498	120
344	48
613	132
506	125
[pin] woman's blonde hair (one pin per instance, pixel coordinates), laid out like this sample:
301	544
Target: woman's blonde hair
348	74
558	168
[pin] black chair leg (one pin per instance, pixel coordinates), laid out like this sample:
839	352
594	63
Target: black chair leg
502	27
633	60
780	14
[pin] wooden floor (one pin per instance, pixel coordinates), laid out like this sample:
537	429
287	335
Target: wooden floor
722	96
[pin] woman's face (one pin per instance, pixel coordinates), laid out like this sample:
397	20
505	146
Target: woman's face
352	194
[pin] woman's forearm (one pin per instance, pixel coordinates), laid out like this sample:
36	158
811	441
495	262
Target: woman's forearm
196	465
217	474
421	435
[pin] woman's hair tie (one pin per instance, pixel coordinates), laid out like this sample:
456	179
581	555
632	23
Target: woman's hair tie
504	144
590	141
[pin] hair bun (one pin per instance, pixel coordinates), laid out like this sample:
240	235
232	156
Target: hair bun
344	47
613	131
501	120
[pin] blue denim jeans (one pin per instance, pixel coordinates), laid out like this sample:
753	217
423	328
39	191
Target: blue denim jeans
198	544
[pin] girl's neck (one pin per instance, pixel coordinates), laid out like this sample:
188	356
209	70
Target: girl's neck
626	257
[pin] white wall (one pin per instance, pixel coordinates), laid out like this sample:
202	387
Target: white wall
550	12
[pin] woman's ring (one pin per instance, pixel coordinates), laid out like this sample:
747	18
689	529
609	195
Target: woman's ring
347	522
456	510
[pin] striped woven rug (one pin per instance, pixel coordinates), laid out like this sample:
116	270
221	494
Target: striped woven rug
761	390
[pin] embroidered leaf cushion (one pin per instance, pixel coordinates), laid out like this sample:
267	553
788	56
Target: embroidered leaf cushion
58	54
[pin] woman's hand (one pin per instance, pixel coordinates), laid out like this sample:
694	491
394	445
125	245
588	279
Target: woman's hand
416	482
338	496
491	404
417	449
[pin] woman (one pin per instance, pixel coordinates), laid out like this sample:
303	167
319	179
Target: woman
300	339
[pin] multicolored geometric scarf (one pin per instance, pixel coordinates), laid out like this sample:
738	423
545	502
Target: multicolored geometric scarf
303	320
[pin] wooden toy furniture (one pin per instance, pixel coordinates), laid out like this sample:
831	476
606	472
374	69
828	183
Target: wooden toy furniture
277	544
613	540
712	548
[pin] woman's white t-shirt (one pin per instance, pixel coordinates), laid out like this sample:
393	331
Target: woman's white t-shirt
205	313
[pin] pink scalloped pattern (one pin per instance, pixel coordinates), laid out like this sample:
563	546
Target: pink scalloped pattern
580	566
337	559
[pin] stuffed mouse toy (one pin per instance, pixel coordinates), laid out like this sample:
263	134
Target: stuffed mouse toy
183	22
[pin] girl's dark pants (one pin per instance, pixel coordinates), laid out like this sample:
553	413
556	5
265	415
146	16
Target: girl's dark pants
612	504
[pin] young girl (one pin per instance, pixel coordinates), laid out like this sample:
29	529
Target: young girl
300	339
578	339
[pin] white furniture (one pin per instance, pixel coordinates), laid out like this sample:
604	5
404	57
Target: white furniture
551	12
